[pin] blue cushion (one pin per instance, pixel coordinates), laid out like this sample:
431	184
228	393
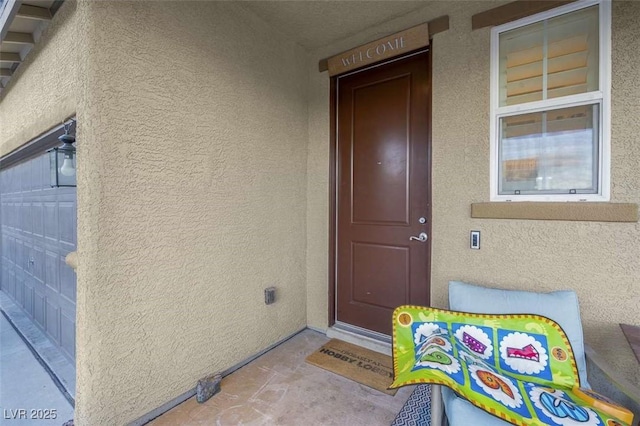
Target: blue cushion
560	306
461	412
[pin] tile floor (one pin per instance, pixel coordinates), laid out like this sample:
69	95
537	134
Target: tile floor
280	388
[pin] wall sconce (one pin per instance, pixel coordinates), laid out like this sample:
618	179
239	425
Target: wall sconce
63	160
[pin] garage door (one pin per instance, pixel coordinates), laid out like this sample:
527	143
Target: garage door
38	231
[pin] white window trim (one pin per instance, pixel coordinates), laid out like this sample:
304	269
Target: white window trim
604	170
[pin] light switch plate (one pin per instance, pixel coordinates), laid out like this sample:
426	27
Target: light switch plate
474	240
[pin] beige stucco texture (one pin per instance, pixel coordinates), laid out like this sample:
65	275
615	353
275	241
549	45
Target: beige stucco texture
600	261
43	91
191	203
203	178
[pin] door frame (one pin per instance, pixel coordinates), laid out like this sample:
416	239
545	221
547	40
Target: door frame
333	170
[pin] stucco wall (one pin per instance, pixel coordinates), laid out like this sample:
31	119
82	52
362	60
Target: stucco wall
600	261
191	200
43	90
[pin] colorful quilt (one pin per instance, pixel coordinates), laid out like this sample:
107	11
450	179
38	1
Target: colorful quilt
519	368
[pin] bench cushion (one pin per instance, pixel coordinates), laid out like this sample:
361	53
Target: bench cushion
560	306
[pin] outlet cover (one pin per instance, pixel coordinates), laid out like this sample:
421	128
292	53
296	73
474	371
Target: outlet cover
269	295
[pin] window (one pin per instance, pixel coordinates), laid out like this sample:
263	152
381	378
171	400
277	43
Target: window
550	105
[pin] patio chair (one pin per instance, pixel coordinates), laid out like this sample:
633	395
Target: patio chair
561	306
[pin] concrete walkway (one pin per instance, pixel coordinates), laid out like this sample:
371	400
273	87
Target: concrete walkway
28	395
279	388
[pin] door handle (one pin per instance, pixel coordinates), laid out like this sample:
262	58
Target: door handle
422	237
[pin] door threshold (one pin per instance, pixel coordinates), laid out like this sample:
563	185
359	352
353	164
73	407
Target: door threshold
360	337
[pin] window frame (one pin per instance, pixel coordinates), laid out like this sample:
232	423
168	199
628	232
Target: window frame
601	96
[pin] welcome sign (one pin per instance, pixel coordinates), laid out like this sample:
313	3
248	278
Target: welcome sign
384	48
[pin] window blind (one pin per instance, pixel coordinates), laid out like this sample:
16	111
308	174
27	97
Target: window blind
549	59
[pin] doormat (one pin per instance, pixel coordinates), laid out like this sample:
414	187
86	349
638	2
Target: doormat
361	365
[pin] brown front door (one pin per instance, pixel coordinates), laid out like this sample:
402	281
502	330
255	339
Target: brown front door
383	191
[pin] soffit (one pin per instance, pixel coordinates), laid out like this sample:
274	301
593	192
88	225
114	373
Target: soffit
313	24
21	25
